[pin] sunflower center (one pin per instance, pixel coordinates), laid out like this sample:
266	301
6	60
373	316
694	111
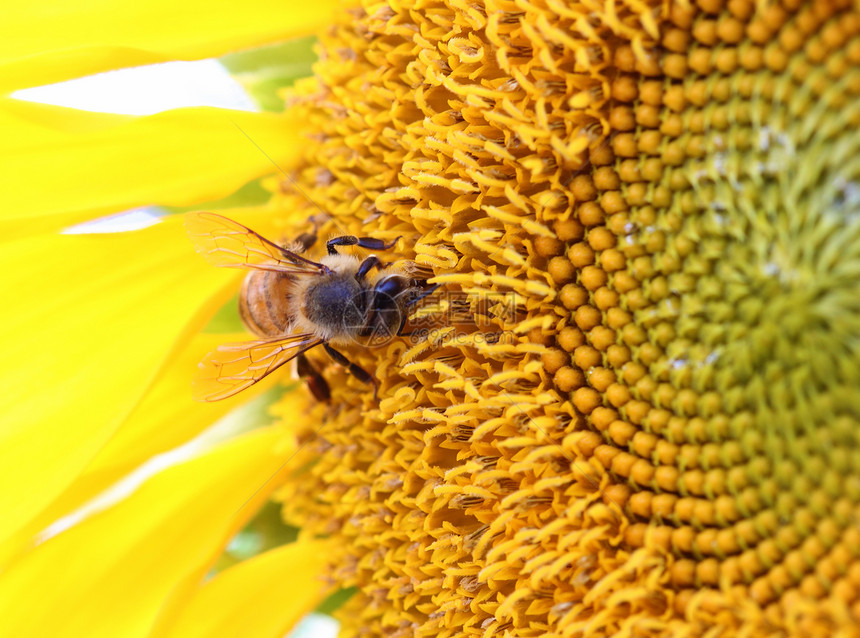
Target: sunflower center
670	195
745	355
779	231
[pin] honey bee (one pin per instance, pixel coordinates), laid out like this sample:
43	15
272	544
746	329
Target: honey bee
294	304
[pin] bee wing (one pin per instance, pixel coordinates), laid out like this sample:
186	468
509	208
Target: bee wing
223	242
234	367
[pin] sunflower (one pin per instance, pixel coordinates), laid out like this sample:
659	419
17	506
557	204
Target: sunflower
631	410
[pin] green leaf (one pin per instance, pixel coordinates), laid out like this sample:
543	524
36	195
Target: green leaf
251	194
263	532
336	600
265	72
226	319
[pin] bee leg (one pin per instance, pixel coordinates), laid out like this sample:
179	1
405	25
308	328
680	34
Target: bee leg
305	241
359	373
362	242
315	381
366	266
293	251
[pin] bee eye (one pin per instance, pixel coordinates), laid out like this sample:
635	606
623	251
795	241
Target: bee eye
388	288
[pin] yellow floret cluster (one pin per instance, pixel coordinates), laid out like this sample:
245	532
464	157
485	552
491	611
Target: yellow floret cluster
637	406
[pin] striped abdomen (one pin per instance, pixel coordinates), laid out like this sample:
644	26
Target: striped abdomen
264	303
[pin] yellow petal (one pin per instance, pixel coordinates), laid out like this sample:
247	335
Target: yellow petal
94	318
166	418
55	40
110	574
258	598
77	165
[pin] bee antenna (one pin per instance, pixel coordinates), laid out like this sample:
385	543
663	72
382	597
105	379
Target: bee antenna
276	165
